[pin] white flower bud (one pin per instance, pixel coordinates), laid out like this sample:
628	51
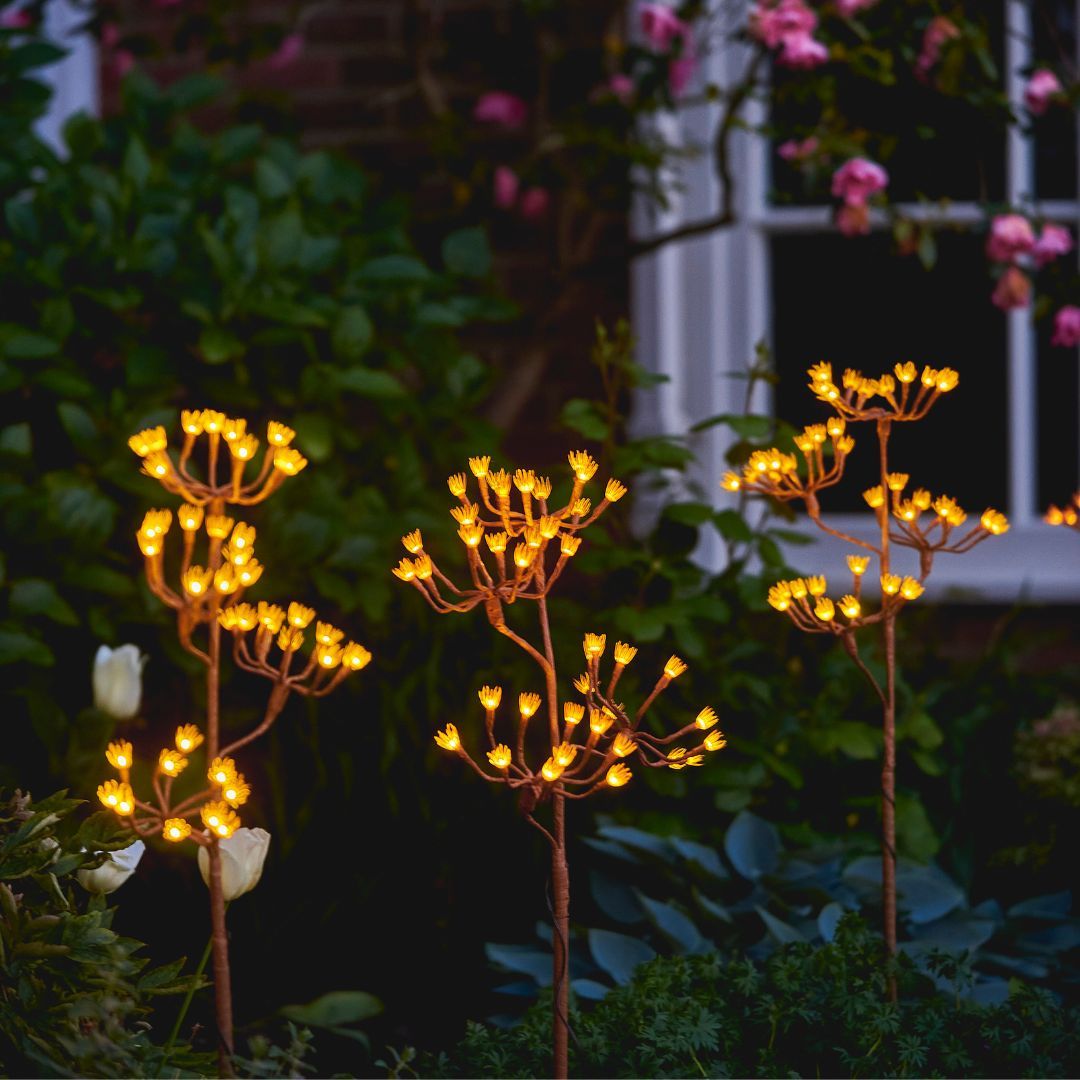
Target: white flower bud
114	871
118	680
242	858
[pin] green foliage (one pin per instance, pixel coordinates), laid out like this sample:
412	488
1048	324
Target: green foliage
804	1011
671	894
75	995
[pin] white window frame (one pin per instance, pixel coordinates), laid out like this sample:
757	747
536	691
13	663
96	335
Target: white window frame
700	306
75	80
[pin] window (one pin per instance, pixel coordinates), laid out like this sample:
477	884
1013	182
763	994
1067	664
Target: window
784	275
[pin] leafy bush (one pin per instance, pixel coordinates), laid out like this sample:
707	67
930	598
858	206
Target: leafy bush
802	1012
75	996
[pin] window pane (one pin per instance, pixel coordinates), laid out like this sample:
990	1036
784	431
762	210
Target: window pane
1054	26
945	148
1059	421
857	305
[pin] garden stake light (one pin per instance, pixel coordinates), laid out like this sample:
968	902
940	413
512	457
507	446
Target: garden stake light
884	401
1067	515
211	595
591	740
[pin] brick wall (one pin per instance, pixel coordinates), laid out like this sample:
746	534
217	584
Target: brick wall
353	88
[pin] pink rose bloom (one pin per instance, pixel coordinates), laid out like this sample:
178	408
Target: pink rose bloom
771	21
1067	327
680	72
505	110
534	203
856	180
1013	289
802	52
505	185
938	32
848	8
1041	87
1010	235
661	26
287	53
1054	240
15	20
853	219
793	150
622	86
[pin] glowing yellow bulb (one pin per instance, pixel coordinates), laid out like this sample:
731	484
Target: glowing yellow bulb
196	580
874	497
190	517
448	738
551	770
471	535
172	762
594	645
816	585
289	461
405	569
581	684
780	596
890	584
456	484
222	770
525	481
175	829
528	704
569	544
730	482
218	526
213	421
490	696
707	718
191	421
564	754
600	721
623	745
479	466
270	616
149	441
119	754
858	564
523	555
618	775
910	589
850	606
573	713
278	434
905	372
798	589
355	656
188	737
496	542
328	657
500	756
993	521
825	610
624	653
897	481
715	740
299	616
413	542
583	465
614	490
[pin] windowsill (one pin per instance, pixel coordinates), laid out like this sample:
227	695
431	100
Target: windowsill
1029	564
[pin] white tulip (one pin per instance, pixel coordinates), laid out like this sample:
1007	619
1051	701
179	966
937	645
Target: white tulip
114	871
242	858
118	680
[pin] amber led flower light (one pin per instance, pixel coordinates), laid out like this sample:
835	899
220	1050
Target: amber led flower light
592	741
1067	515
215	568
907	518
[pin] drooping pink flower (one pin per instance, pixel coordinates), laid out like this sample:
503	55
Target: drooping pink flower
505	186
15	20
287	53
850	8
118	61
794	150
502	109
1013	289
938	31
680	72
856	180
534	203
802	52
771	21
1010	235
1067	327
1054	240
1041	88
853	219
661	26
622	86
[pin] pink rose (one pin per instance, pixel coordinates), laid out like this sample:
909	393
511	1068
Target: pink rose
680	72
802	52
505	110
1013	289
849	8
1010	236
15	20
506	185
1041	87
1054	240
793	150
661	26
772	21
287	53
937	33
534	203
853	219
856	180
1067	327
622	86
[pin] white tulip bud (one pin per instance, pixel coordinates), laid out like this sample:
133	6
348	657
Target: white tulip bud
114	871
118	680
242	858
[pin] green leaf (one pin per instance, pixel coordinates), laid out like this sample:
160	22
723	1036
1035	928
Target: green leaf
271	181
136	165
466	252
34	596
395	269
15	439
853	738
28	345
21	219
352	333
618	954
78	423
745	426
673	924
218	345
16	646
334	1009
369	383
753	845
584	417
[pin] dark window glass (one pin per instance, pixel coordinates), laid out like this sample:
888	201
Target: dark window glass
1058	403
1054	34
855	303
